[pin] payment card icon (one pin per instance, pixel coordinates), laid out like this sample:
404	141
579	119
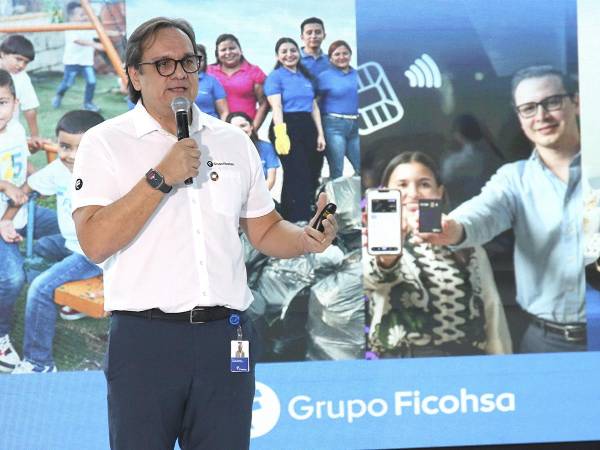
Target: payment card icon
380	106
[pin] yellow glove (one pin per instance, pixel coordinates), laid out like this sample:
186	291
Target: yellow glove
282	140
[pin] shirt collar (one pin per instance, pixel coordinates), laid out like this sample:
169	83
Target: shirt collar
575	162
144	123
306	55
245	65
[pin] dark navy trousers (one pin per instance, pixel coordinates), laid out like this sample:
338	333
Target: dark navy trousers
170	380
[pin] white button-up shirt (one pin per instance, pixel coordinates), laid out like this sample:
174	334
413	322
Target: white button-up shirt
189	252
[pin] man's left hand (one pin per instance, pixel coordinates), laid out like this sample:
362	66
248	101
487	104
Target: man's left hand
313	241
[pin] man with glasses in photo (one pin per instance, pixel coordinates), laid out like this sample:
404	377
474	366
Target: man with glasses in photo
174	275
541	200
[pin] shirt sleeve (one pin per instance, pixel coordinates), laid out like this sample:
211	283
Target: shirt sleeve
259	201
271	159
95	180
493	210
26	95
321	85
257	74
273	84
44	180
218	91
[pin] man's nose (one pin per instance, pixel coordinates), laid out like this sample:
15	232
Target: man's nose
541	112
179	72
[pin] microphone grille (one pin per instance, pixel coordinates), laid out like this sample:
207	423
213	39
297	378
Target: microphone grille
180	104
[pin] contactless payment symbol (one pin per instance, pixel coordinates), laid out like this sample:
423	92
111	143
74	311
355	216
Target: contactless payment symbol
266	410
380	106
78	184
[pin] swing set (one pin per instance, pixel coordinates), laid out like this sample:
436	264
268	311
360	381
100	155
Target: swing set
49	147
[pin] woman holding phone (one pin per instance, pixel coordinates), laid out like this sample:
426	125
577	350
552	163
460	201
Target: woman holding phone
296	130
430	300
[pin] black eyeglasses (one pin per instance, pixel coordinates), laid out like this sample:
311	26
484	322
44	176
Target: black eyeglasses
167	66
552	103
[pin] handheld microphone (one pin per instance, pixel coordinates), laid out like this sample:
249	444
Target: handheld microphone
180	107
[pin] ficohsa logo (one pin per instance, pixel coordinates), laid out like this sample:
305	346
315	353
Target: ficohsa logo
265	410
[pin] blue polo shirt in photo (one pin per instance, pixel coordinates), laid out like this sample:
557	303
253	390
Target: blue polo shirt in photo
315	65
209	91
267	156
338	91
297	91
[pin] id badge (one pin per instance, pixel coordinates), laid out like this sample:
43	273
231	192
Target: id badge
240	356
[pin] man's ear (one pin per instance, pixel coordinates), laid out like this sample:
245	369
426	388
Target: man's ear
575	100
134	77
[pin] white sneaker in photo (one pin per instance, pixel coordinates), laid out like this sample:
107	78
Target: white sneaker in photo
8	356
25	367
67	313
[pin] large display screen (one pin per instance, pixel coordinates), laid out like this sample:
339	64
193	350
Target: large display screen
490	338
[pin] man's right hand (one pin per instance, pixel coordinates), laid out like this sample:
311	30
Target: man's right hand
452	233
181	162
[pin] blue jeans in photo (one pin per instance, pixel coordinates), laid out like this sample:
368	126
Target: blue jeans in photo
341	136
12	273
71	71
40	312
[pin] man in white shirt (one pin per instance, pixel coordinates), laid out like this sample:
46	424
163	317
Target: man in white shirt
174	272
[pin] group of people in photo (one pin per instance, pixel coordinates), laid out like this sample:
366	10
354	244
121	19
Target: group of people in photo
313	98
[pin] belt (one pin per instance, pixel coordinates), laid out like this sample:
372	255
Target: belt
199	314
571	332
344	116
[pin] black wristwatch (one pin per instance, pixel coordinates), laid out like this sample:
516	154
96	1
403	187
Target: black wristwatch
157	181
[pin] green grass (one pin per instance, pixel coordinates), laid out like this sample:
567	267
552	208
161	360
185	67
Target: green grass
80	344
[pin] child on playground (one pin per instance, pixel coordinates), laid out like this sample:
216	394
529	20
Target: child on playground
70	264
78	58
13	220
16	52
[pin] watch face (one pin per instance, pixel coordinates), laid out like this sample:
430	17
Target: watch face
154	178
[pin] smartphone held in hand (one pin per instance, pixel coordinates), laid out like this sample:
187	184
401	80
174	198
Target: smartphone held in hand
430	216
384	222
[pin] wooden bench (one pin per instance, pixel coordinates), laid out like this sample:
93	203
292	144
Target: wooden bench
86	296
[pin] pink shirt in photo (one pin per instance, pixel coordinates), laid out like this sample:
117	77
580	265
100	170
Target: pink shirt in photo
239	86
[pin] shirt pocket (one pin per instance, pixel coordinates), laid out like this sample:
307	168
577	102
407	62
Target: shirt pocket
225	191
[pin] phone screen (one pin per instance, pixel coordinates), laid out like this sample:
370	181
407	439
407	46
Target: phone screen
384	222
430	216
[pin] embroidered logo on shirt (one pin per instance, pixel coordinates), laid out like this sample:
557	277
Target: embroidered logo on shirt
78	184
210	163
